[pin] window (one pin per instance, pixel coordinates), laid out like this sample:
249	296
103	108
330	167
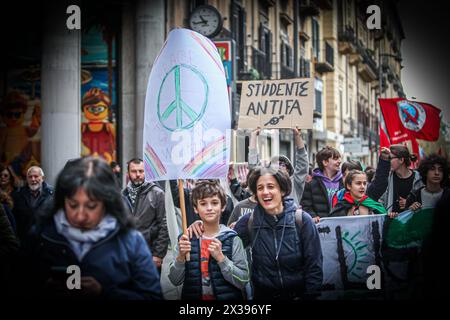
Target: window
286	51
318	89
238	27
315	39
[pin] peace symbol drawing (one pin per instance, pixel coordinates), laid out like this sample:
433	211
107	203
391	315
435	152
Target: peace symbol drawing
181	112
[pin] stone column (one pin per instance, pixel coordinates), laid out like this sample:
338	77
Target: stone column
150	35
60	83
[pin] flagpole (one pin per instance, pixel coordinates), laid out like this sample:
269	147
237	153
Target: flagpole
183	212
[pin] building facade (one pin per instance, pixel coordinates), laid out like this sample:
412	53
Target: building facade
81	85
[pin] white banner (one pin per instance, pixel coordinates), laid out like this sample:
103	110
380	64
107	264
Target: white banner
349	246
187	111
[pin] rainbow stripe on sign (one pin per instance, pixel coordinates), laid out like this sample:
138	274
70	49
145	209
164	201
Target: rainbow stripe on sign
201	43
153	166
209	162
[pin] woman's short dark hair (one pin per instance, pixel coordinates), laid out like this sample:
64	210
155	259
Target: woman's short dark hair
98	181
326	153
427	164
206	189
400	151
351	175
282	178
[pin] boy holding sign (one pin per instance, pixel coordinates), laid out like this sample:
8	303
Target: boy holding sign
217	269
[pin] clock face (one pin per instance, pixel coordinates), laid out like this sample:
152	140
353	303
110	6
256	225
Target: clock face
206	20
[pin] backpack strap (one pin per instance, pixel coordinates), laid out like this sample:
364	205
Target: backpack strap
249	226
299	218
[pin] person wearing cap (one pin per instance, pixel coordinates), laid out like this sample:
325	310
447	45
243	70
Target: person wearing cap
297	174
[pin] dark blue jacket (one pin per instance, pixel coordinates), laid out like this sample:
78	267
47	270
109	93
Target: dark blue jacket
287	262
121	262
25	212
223	290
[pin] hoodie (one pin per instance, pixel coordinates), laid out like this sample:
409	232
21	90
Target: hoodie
332	185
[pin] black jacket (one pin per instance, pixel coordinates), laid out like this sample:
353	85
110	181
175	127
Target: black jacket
121	262
25	212
315	198
149	212
416	196
287	260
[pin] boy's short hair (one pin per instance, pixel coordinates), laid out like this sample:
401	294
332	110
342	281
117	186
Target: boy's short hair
325	154
208	188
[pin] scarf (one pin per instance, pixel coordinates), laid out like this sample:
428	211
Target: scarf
366	202
82	241
133	191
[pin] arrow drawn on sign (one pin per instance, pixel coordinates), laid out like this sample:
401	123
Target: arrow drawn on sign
274	120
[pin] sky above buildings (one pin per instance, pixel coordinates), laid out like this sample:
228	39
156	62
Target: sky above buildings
426	72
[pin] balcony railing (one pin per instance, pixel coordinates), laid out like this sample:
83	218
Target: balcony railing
261	63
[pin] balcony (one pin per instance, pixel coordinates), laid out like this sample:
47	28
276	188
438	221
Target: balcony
368	69
261	62
287	72
308	9
357	56
347	40
305	68
328	64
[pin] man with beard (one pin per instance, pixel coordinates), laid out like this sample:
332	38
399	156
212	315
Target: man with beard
148	208
31	200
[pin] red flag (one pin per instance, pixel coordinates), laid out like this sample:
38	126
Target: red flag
384	140
407	120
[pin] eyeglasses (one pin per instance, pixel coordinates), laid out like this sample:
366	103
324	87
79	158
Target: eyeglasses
4	175
390	158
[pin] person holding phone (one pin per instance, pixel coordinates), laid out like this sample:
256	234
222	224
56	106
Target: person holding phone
88	227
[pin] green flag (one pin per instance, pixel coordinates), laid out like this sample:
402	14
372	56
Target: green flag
410	228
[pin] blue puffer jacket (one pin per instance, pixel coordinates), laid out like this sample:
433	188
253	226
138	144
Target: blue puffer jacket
287	262
121	263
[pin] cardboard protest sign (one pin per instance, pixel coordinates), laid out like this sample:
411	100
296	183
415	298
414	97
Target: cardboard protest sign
283	103
187	111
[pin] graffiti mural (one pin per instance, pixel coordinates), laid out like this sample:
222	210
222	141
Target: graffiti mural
99	96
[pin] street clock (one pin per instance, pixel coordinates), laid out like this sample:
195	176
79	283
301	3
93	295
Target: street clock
206	20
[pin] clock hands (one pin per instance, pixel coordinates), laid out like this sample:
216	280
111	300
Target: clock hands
202	21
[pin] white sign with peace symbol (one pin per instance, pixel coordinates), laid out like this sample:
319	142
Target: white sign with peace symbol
186	91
